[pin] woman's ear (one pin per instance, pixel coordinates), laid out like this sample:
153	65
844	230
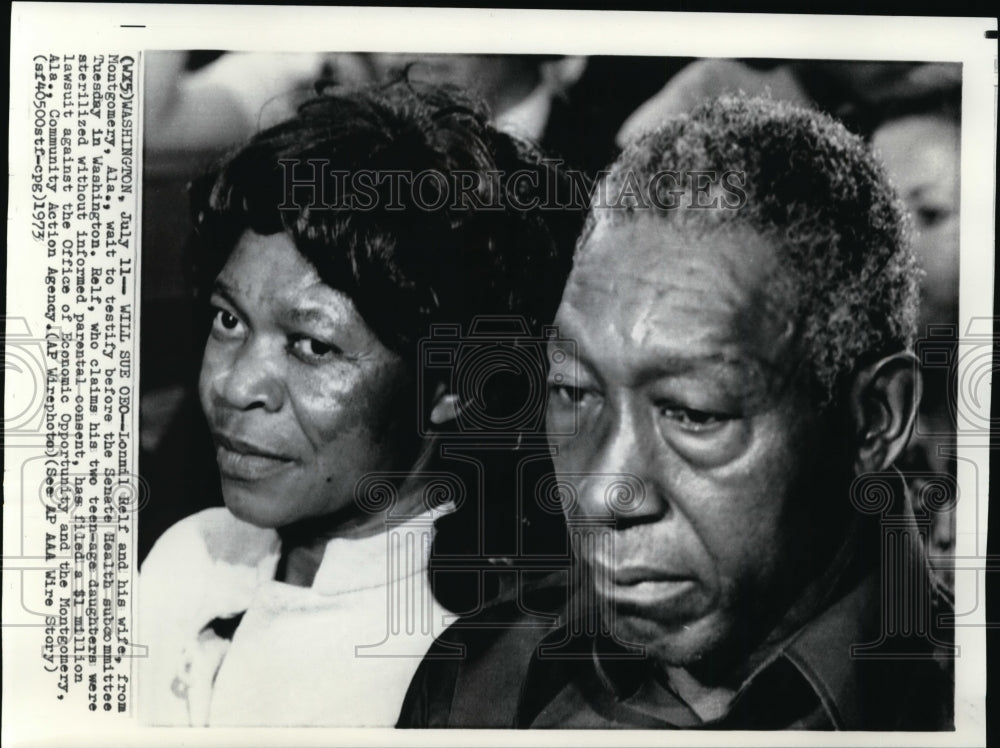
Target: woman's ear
445	406
884	400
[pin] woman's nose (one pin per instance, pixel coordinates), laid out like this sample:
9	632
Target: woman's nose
248	378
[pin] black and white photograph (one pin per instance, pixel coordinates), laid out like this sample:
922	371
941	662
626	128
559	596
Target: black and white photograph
557	386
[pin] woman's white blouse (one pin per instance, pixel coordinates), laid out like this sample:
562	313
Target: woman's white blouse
339	653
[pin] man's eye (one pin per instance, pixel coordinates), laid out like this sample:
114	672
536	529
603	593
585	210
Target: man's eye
313	350
225	324
693	420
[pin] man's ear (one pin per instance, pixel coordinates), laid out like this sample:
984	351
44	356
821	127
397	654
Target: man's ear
884	401
445	406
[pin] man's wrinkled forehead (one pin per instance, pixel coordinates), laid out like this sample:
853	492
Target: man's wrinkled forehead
719	291
639	247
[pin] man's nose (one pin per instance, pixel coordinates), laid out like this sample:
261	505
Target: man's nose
621	484
943	532
251	378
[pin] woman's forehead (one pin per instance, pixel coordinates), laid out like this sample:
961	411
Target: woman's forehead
270	276
265	265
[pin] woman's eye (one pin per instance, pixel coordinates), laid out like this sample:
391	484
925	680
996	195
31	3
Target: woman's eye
225	324
313	350
567	394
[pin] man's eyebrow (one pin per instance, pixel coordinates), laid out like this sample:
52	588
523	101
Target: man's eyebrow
661	366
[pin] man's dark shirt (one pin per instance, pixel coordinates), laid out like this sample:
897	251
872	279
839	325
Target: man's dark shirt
523	670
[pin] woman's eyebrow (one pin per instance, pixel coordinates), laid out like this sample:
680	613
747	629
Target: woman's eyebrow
309	315
227	292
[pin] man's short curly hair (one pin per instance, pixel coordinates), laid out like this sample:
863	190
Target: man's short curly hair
817	193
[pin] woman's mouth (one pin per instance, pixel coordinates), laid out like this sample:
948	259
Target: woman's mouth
243	460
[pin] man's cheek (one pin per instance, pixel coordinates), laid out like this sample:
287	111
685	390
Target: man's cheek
716	449
749	572
580	453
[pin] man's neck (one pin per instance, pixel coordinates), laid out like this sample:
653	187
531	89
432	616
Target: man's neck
709	692
708	702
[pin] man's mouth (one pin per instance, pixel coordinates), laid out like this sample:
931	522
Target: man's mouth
642	585
633	575
243	460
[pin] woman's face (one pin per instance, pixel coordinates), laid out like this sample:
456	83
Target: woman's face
302	399
923	157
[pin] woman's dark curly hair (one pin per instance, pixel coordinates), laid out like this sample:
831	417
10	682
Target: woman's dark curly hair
408	258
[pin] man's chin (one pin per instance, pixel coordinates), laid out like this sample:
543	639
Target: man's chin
675	644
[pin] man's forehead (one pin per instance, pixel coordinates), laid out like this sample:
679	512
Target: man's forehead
647	250
640	283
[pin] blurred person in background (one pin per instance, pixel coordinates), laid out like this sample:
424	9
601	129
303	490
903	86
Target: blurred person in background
570	106
917	135
852	91
518	89
200	102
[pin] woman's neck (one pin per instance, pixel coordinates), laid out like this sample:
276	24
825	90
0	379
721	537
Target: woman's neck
299	563
303	543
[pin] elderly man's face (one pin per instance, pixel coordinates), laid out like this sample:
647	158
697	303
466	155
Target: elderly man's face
683	378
